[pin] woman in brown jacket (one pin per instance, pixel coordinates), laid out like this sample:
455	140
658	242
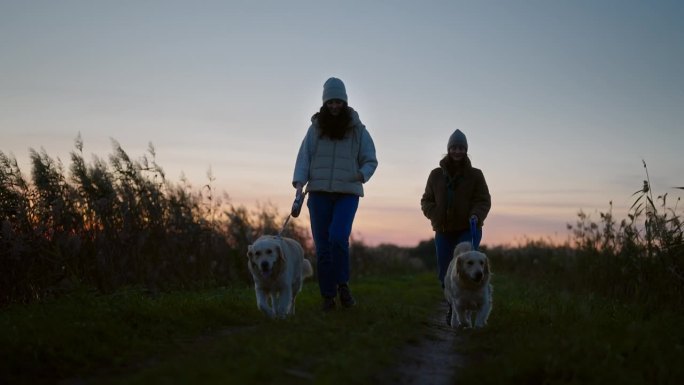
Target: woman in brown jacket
455	194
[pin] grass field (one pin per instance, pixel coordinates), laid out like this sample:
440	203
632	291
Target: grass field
542	334
538	334
212	337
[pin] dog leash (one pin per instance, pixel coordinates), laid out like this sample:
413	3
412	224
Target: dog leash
294	212
473	232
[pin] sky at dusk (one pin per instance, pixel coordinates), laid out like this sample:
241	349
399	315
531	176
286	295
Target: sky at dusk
560	100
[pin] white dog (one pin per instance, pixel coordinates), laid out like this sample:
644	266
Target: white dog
467	288
278	267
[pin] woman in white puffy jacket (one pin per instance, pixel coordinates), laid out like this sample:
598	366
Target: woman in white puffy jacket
335	159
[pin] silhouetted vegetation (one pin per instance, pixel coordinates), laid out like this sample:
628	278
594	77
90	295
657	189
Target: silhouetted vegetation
385	259
119	222
641	258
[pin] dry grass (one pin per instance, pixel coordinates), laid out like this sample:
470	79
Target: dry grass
641	258
121	222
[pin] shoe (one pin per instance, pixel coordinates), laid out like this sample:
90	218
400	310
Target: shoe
328	304
346	299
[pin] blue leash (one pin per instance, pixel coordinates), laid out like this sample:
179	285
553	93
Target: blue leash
473	233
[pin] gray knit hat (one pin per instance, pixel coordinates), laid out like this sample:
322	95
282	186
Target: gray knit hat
457	138
334	89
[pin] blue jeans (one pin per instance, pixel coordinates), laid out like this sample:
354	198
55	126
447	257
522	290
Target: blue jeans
332	215
445	243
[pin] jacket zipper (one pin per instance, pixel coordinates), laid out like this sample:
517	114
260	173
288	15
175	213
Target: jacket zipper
332	168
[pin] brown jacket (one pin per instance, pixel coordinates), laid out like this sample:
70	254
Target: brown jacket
471	198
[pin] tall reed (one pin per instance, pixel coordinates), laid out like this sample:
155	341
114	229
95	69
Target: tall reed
118	222
640	257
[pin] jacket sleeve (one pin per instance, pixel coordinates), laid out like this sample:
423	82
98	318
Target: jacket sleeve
427	202
482	201
367	159
301	170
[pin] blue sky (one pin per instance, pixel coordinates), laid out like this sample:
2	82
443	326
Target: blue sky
560	100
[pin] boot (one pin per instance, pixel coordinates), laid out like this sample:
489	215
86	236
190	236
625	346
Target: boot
346	298
328	304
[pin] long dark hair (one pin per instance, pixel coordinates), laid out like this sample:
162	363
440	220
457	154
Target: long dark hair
334	127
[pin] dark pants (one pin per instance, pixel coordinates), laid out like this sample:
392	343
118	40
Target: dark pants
445	243
332	215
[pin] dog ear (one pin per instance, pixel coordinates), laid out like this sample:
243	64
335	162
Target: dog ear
459	265
279	250
463	247
250	252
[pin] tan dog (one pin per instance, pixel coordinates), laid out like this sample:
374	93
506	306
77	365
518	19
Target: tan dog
278	267
467	288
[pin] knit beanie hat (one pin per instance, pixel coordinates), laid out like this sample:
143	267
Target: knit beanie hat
457	138
334	89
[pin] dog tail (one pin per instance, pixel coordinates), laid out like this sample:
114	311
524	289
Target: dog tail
307	270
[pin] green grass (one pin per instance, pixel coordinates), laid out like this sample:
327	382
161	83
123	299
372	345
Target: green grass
541	334
538	333
212	336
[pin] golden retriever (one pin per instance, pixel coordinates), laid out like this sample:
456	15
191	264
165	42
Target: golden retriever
467	288
278	267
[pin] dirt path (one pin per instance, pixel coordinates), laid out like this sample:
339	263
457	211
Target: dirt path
433	359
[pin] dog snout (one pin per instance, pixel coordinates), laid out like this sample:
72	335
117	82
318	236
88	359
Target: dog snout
478	276
264	266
